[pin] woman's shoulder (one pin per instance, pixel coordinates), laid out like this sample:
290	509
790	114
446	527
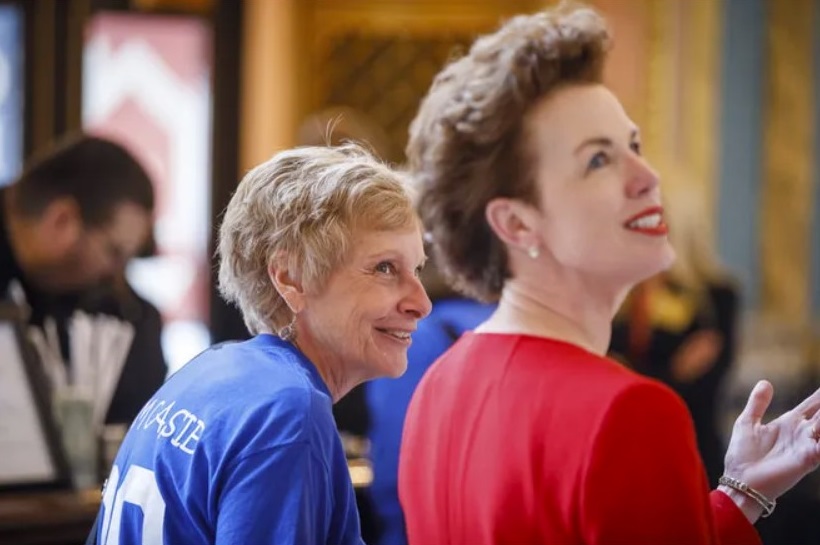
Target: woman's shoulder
642	410
257	395
255	380
543	360
610	382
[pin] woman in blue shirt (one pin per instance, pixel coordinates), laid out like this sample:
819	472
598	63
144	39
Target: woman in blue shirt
320	249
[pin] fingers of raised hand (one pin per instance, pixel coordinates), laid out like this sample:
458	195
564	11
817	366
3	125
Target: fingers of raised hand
759	400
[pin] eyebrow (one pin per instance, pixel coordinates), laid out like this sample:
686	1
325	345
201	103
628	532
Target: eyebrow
602	141
392	254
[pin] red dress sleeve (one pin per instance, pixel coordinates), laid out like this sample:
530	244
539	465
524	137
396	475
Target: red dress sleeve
643	482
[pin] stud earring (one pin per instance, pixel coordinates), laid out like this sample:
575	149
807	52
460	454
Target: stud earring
534	252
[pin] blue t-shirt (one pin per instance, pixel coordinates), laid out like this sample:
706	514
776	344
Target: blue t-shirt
238	447
387	401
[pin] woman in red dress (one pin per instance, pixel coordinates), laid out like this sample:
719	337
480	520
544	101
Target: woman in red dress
535	194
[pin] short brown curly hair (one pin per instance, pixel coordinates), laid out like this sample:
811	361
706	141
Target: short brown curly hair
467	144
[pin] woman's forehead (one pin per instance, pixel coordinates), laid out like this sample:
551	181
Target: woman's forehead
573	114
375	241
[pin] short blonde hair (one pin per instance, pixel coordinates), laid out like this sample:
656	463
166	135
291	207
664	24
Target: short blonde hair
304	202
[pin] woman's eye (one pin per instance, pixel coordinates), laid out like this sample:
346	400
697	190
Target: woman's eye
385	267
598	160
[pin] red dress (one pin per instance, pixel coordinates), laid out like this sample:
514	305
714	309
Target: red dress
513	439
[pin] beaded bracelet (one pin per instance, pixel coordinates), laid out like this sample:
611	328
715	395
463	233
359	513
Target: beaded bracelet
767	504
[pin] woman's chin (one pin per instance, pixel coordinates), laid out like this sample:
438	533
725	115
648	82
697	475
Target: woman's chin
667	260
394	369
656	265
641	268
383	366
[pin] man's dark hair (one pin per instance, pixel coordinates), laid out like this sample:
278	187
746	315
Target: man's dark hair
97	173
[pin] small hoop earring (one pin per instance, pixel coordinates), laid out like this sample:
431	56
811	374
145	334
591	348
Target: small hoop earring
288	333
534	252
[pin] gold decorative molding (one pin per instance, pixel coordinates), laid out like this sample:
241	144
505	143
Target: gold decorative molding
411	19
380	57
788	161
391	18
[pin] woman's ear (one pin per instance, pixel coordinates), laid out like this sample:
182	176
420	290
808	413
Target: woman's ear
514	222
287	282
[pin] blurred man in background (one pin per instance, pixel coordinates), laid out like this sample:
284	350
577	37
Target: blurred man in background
68	227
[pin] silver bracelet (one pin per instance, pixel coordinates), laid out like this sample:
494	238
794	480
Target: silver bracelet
767	504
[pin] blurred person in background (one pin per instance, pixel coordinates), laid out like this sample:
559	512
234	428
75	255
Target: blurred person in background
535	194
320	248
387	399
71	222
74	217
681	326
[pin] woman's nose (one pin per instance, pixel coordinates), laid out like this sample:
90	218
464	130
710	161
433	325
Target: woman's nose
642	178
416	303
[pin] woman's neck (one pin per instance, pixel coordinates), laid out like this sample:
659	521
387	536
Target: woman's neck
572	314
338	382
